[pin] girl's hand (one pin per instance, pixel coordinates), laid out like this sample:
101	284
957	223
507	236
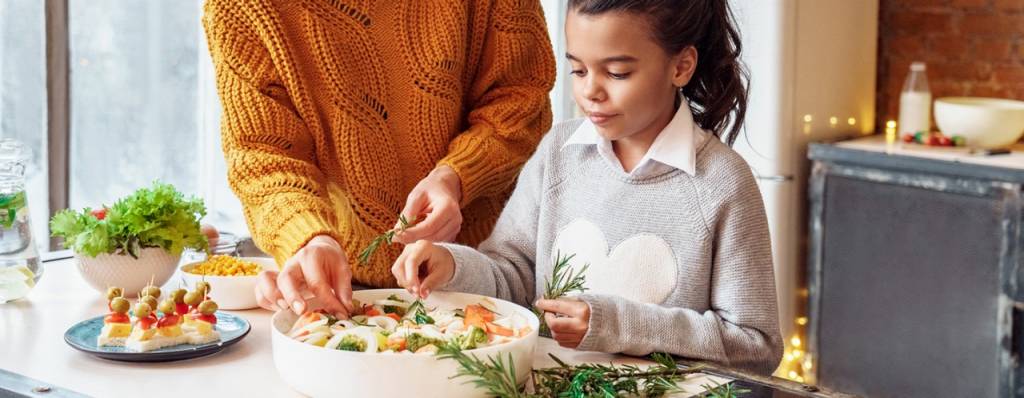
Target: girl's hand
568	320
437	197
422	267
321	267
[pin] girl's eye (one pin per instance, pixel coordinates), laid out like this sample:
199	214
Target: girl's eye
578	72
618	76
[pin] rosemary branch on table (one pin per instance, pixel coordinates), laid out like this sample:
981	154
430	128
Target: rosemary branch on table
563	281
498	376
384	238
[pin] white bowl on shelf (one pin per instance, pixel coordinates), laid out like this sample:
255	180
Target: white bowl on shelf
319	372
124	271
984	122
230	292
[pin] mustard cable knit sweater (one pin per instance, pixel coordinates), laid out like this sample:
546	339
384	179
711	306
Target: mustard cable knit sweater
334	110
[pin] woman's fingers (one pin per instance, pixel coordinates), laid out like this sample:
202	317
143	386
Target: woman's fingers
290	282
314	270
267	294
415	205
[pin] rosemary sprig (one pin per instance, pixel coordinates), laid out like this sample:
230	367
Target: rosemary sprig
384	238
563	281
726	390
589	380
497	376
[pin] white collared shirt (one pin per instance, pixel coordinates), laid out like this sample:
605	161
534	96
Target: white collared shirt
674	148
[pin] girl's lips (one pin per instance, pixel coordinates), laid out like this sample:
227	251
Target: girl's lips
600	118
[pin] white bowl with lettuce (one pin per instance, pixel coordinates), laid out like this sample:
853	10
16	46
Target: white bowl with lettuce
136	241
357	359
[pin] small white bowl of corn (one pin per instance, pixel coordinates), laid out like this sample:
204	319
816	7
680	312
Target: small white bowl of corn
232	279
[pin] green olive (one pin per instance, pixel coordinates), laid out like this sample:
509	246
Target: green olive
142	310
120	305
193	298
151	291
207	307
113	292
178	295
203	287
151	301
167	307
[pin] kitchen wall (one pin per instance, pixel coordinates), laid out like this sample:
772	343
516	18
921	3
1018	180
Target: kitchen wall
972	48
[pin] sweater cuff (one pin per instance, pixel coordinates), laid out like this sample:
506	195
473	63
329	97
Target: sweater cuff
463	278
297	232
468	157
599	335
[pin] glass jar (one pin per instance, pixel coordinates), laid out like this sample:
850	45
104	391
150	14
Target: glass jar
20	268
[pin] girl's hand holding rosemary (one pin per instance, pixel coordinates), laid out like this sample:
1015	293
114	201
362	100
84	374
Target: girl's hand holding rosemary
571	317
567	319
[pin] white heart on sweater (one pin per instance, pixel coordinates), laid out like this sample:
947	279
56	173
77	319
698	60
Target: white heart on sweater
641	268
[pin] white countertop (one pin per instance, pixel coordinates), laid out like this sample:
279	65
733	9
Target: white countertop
32	344
876	143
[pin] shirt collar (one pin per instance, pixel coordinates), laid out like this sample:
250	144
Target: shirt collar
675	146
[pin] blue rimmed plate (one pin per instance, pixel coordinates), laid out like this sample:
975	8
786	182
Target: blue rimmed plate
82	337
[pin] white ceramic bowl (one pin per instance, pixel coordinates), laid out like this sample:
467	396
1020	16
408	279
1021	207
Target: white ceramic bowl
985	122
126	272
230	292
321	372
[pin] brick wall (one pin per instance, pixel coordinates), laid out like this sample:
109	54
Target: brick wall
972	48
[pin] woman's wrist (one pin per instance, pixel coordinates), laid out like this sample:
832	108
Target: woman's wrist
450	179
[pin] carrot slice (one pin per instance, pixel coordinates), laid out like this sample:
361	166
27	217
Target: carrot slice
499	330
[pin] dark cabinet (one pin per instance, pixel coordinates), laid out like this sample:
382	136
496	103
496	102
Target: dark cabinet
913	274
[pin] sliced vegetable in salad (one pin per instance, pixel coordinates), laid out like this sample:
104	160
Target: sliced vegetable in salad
400	326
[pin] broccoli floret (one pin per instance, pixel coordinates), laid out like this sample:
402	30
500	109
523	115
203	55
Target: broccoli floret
352	343
395	298
393	309
416	341
471	338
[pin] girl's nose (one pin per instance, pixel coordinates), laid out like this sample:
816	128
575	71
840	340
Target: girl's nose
592	89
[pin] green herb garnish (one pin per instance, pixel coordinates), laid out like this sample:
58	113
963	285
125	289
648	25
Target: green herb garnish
384	238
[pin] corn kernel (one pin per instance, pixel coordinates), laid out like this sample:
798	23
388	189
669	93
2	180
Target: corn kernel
220	265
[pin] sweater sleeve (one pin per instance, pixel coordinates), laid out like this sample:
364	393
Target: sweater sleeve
741	327
509	105
504	265
269	152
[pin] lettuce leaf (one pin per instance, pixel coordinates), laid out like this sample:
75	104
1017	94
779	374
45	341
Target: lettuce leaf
158	216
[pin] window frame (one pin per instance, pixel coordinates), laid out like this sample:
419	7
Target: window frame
58	106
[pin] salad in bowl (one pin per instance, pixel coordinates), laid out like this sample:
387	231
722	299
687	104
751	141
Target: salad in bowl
392	334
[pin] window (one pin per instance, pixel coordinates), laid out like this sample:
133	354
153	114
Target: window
23	98
563	106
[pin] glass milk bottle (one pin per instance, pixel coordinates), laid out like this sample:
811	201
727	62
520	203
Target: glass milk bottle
19	259
915	102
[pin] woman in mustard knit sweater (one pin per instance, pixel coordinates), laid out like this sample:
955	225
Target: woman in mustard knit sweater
341	114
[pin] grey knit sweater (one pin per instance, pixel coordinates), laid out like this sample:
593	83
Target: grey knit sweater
678	263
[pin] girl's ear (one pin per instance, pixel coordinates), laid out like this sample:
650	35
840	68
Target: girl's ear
684	64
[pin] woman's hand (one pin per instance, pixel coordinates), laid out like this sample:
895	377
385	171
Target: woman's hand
437	197
321	267
568	320
422	267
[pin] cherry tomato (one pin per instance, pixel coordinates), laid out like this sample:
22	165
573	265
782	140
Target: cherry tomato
117	318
